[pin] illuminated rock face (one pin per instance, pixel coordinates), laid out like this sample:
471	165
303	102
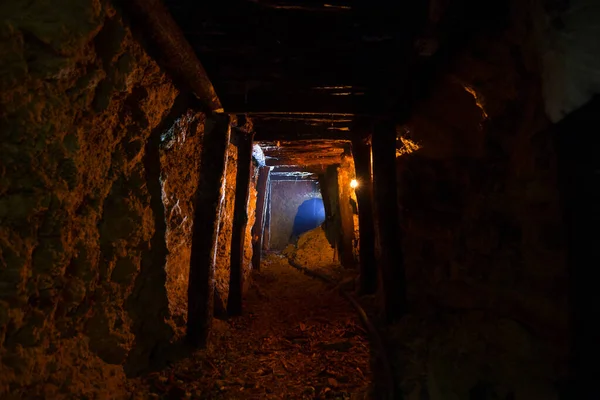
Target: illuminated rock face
223	261
251	213
82	226
313	250
180	151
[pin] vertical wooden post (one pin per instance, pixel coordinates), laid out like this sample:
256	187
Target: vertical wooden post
267	226
244	144
257	229
361	149
206	225
346	221
325	196
389	257
330	193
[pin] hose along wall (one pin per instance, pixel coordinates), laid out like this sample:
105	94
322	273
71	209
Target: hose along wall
375	339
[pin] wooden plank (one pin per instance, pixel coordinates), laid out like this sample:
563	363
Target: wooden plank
291	178
329	224
244	143
257	229
361	149
333	196
346	222
389	257
206	225
302	162
267	228
176	54
274	101
316	169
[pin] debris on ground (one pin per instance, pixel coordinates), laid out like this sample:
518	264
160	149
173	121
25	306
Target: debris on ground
296	340
313	250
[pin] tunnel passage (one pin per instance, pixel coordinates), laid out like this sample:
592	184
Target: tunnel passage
313	184
463	238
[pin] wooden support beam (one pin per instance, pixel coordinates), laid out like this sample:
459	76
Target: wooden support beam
302	7
275	101
267	228
273	130
389	252
176	54
330	226
313	169
257	229
306	162
332	189
206	224
292	178
346	221
244	143
361	149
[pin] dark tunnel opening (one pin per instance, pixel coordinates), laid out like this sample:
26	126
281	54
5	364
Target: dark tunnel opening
310	215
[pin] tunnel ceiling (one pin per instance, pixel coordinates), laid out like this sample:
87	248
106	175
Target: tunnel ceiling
304	70
303	159
266	56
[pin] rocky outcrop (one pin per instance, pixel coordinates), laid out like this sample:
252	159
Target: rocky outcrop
482	229
223	260
251	213
181	147
312	250
84	288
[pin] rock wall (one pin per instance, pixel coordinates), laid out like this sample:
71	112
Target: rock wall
180	150
251	212
82	224
348	204
223	262
482	230
286	197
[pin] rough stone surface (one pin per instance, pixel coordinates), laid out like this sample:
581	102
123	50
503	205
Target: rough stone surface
348	203
313	250
286	197
181	147
251	212
223	261
79	99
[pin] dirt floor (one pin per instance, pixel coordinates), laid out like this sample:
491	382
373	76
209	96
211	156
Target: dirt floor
297	339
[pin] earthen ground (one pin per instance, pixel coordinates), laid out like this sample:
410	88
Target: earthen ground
297	339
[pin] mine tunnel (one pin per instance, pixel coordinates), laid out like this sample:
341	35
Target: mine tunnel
285	199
